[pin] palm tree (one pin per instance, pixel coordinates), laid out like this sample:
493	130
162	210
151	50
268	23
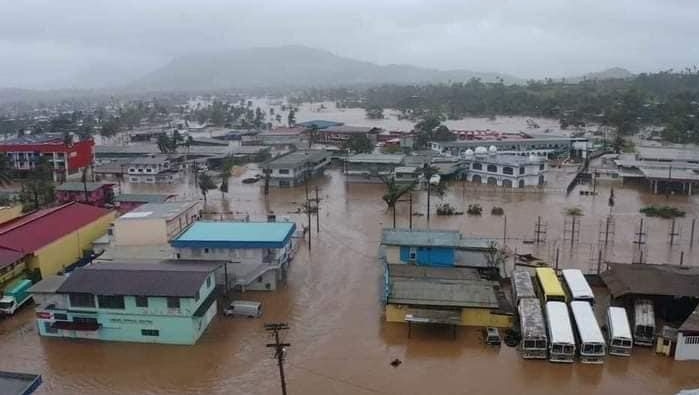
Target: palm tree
312	132
394	192
206	183
228	165
165	144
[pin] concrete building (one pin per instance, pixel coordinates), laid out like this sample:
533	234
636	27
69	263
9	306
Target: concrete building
257	253
151	170
98	193
338	135
688	338
131	302
372	168
52	239
66	158
292	169
486	166
664	170
126	202
573	147
154	223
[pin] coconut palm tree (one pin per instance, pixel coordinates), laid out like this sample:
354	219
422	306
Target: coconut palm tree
5	170
206	183
394	192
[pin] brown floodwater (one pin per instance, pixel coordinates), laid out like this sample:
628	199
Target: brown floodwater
339	341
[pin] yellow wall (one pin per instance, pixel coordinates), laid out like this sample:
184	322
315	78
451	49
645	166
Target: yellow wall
69	248
10	213
469	316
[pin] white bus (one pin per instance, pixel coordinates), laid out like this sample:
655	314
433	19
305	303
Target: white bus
560	333
522	286
577	286
618	332
531	319
591	343
643	323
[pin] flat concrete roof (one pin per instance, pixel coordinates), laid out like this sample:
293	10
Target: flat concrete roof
670	174
48	285
165	210
377	158
668	154
298	158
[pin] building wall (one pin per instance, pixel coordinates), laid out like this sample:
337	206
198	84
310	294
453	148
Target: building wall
8	274
429	256
392	254
175	326
469	316
55	256
686	351
146	231
179	223
10	213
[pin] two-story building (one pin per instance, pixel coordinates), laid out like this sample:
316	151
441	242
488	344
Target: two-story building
293	168
126	202
152	169
372	168
486	166
546	147
94	193
131	302
155	223
257	253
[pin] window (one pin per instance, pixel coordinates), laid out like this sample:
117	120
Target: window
521	170
492	169
508	170
283	171
150	332
110	302
141	301
529	344
60	316
541	166
82	300
85	320
48	328
208	281
477	166
568	349
540	344
557	349
588	348
173	302
206	250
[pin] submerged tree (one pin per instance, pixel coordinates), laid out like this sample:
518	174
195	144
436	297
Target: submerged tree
394	192
37	189
206	183
358	144
6	170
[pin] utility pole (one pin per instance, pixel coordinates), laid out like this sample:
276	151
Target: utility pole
411	214
673	232
308	210
558	250
504	231
572	231
640	242
539	231
279	349
691	234
317	212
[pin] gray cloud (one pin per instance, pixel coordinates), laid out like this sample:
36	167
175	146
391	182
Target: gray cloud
52	43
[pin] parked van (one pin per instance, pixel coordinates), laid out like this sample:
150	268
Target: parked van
244	308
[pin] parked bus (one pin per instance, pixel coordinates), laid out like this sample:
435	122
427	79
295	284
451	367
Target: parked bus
522	286
560	333
591	344
618	332
643	323
531	319
577	286
551	289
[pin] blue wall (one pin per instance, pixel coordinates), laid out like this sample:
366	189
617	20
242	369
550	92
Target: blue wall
429	256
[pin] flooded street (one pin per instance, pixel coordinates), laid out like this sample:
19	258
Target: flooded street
339	341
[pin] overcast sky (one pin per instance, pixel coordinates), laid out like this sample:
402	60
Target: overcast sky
54	43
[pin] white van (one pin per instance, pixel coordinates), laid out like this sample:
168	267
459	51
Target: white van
244	308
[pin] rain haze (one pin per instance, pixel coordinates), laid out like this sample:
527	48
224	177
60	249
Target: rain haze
50	44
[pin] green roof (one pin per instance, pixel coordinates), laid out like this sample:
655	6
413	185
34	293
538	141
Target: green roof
142	197
80	187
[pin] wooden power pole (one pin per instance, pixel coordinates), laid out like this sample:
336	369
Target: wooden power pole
279	349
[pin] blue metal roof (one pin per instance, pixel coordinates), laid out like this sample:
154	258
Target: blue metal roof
236	235
320	124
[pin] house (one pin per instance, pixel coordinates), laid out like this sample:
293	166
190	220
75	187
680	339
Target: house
153	169
258	253
442	248
486	166
154	223
282	136
126	202
687	347
66	157
131	302
98	193
293	168
372	168
444	296
52	239
338	135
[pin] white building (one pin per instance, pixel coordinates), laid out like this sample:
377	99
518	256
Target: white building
688	338
151	170
487	166
292	169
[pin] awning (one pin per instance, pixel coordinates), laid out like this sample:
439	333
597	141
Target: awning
427	316
76	326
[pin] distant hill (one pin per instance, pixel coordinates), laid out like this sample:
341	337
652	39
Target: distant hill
289	67
608	74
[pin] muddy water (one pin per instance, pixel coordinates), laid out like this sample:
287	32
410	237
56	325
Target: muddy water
340	345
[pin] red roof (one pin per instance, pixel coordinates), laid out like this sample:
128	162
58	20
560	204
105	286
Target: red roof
34	231
9	256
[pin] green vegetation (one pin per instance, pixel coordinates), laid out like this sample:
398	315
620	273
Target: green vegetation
6	170
667	98
374	112
662	211
38	189
573	212
474	209
206	183
358	144
497	211
430	128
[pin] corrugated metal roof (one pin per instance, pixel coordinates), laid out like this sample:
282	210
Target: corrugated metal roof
298	158
166	210
38	229
49	284
138	279
142	198
250	234
691	324
9	256
80	187
668	280
421	238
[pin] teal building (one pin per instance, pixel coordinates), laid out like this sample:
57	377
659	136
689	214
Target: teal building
132	302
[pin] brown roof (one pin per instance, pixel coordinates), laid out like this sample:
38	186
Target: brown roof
667	280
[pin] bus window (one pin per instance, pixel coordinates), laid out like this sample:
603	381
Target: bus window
529	344
540	344
557	349
568	349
